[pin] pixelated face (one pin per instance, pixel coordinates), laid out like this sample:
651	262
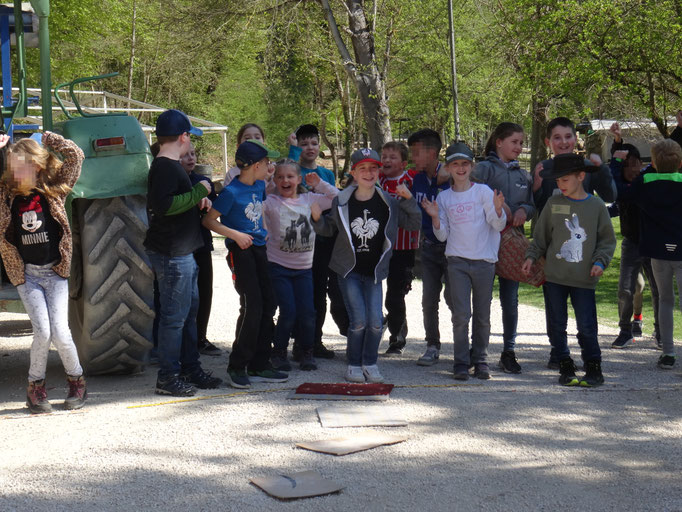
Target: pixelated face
23	171
252	133
510	148
562	140
287	180
392	161
459	170
310	146
366	174
189	160
571	184
423	156
633	167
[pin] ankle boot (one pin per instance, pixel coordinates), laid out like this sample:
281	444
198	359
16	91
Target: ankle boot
78	393
36	397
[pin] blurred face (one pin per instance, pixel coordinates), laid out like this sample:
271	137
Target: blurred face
23	171
392	162
366	174
423	157
189	160
571	185
310	147
251	133
510	148
287	179
459	170
633	166
562	140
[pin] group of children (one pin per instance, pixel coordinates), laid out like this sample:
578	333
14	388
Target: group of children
293	238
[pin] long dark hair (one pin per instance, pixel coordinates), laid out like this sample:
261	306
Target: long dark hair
501	132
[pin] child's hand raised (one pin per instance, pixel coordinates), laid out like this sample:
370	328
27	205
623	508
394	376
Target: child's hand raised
271	171
292	139
403	191
4	140
315	211
243	240
537	179
615	131
595	159
527	265
430	207
312	179
596	271
498	202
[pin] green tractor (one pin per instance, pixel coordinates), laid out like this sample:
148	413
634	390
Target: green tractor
111	285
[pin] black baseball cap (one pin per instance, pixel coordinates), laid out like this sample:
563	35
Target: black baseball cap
364	155
458	151
251	151
175	122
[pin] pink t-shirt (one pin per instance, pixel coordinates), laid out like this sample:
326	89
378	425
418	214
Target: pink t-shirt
291	239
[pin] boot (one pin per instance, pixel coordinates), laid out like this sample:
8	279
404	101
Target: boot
279	360
307	361
36	397
319	350
78	393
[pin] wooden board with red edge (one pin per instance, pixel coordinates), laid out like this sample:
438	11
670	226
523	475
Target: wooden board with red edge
341	391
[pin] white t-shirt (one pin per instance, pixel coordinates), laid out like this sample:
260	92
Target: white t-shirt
469	223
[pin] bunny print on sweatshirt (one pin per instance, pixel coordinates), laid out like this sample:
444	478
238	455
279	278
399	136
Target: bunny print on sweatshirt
572	249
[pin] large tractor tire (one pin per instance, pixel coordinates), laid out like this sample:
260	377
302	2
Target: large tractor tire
111	287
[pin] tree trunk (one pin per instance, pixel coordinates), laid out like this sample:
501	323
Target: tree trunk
363	70
538	150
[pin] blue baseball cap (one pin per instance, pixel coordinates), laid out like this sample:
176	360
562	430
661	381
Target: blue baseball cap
251	151
174	122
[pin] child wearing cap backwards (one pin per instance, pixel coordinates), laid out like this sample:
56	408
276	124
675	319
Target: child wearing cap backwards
366	219
468	217
304	147
174	233
575	235
399	281
240	208
657	194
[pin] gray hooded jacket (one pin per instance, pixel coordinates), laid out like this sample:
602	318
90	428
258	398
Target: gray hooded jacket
515	183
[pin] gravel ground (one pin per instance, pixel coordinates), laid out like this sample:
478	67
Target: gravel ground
517	442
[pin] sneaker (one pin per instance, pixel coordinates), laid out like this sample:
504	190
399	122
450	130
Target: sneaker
355	374
207	348
77	393
567	376
36	398
395	347
319	350
174	386
552	364
202	379
637	328
461	372
279	360
508	362
372	373
430	357
238	379
622	340
593	376
267	375
666	362
307	362
481	371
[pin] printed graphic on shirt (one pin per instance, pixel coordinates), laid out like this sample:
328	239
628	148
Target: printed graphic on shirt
462	213
364	229
32	219
254	211
295	231
572	249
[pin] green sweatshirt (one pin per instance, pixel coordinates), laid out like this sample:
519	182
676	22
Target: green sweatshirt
573	236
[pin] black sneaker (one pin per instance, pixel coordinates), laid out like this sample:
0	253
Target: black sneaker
267	375
508	362
238	379
593	376
279	360
622	341
174	386
319	350
666	362
481	371
395	347
567	376
637	328
207	348
461	372
202	379
307	362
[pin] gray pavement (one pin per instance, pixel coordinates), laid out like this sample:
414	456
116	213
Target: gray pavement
516	442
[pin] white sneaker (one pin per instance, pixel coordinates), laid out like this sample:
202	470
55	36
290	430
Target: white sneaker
430	357
372	373
355	374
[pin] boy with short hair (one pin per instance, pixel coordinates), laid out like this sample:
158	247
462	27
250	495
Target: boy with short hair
429	181
304	148
174	234
575	235
657	194
393	173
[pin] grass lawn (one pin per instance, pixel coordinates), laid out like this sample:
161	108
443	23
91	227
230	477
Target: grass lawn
607	295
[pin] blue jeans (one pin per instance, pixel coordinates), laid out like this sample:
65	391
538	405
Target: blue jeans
178	301
434	274
294	295
585	308
362	297
509	300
